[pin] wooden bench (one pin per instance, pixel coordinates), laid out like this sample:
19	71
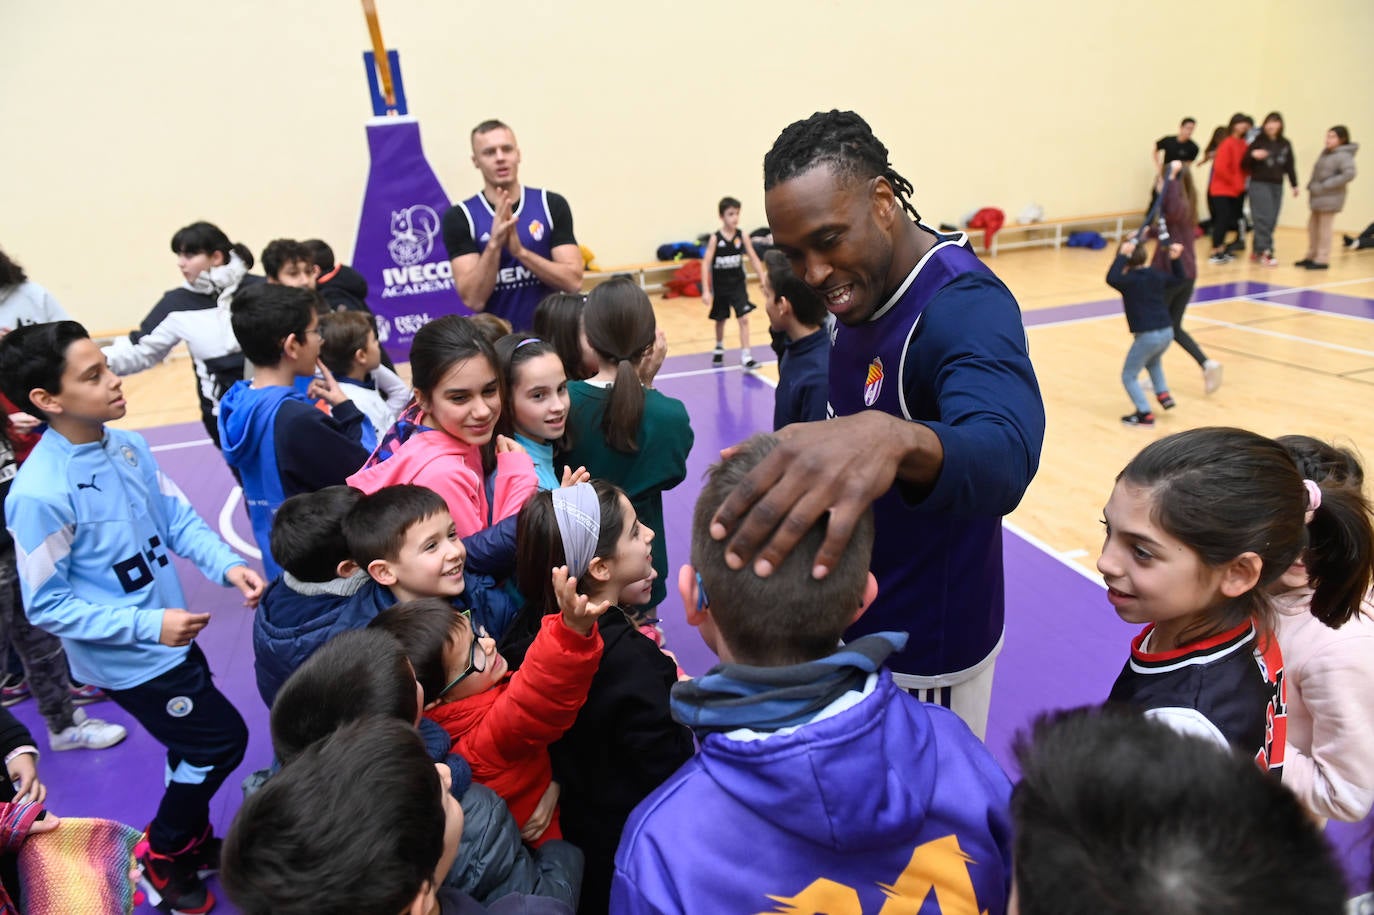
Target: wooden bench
650	275
1056	231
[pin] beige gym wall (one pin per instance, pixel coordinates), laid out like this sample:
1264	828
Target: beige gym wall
123	122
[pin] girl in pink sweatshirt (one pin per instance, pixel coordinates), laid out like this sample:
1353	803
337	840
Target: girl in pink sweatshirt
446	439
1326	632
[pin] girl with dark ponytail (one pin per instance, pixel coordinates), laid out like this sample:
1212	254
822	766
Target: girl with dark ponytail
621	431
1325	628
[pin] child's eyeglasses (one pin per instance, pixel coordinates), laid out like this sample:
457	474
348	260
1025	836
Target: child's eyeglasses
477	658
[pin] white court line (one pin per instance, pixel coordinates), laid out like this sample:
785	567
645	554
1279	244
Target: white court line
713	370
1283	336
1051	552
176	446
1238	298
226	526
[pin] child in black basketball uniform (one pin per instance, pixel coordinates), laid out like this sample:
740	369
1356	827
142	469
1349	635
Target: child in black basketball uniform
723	280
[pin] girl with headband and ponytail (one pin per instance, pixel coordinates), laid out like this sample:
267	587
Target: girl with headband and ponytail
1199	527
620	430
625	742
537	414
1326	630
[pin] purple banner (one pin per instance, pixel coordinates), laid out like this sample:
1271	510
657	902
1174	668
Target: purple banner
399	249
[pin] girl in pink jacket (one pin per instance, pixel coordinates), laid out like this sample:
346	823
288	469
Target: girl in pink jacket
1326	633
445	440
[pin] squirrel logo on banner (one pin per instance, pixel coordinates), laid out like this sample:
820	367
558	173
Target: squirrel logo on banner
413	230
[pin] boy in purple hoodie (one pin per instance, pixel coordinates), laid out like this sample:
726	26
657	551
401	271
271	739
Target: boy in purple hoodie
820	786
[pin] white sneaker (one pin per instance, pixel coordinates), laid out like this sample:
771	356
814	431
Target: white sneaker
1211	376
87	734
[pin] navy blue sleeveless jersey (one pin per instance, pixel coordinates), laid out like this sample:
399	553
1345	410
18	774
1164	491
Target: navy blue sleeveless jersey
517	291
938	561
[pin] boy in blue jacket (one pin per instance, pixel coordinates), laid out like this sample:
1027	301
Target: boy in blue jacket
270	432
94	519
820	785
323	592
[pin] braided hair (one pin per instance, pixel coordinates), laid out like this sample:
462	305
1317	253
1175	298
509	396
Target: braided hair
840	139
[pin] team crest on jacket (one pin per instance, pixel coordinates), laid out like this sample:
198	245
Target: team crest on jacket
536	230
873	383
130	457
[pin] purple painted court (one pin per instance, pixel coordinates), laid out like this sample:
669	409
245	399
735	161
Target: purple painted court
1064	646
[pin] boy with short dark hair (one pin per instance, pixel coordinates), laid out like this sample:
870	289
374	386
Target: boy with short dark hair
818	780
796	312
320	593
404	537
361	822
323	592
1119	813
270	432
503	725
287	262
365	673
339	285
94	518
724	284
350	350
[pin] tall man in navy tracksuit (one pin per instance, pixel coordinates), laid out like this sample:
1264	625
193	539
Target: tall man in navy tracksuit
938	417
510	245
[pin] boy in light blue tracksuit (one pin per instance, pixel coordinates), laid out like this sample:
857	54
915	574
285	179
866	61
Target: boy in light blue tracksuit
94	520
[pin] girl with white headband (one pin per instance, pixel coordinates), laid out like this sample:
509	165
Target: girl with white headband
625	742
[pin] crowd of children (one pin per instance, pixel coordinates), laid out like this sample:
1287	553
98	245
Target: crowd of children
471	708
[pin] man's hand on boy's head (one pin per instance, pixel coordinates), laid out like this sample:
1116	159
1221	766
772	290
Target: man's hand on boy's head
179	626
326	387
249	583
579	615
573	477
839	466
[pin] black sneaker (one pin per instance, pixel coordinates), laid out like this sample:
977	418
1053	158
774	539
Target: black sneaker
171	882
1139	419
749	364
1316	266
1305	262
718	357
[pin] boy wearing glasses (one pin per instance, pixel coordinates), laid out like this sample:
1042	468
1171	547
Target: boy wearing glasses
503	723
272	435
820	785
